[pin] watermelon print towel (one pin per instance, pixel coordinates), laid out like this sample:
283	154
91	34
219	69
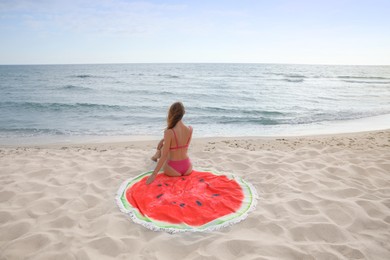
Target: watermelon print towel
202	201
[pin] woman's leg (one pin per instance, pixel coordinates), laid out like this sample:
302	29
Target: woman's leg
160	144
157	155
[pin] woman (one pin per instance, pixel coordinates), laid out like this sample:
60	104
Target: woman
176	140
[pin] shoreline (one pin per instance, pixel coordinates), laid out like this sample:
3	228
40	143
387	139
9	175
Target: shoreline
147	140
369	124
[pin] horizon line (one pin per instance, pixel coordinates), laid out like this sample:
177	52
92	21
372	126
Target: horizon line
118	63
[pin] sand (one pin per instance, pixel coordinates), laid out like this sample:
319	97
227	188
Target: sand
321	197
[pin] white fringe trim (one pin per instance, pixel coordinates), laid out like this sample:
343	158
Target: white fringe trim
152	226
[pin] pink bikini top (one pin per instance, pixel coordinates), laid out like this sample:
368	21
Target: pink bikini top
177	143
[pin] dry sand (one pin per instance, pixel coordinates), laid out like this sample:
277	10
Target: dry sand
321	197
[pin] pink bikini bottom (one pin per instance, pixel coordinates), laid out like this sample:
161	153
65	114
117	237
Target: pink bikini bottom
180	166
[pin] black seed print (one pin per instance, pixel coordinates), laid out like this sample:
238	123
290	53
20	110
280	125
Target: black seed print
166	184
158	196
182	205
159	185
199	203
201	180
215	195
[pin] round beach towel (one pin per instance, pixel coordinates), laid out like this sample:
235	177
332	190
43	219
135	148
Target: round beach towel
202	201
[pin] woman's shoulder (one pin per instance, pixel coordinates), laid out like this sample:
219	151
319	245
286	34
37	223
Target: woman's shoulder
187	128
179	129
168	132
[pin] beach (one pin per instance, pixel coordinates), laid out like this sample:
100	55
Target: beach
289	108
320	197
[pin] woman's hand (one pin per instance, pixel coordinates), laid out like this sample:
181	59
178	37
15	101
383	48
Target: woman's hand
150	179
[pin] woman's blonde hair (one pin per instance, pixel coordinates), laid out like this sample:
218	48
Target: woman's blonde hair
175	114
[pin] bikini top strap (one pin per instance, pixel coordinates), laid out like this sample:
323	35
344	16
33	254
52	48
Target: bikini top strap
177	143
189	138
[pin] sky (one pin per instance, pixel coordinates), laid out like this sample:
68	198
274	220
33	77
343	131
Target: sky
353	32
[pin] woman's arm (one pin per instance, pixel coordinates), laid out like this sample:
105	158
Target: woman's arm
164	156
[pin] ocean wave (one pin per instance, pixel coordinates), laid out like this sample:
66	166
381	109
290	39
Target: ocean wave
73	87
294	80
287	75
58	106
82	76
245	112
82	109
295	76
255	120
29	131
329	116
360	77
170	76
264	112
86	76
233	120
296	118
367	82
196	110
225	76
146	92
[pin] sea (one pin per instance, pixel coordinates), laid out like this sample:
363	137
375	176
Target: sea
66	103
